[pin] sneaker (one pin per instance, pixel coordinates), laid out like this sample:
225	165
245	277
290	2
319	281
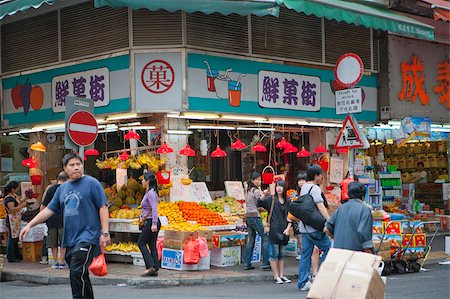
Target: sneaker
311	278
278	280
249	268
285	279
44	261
63	266
266	268
298	257
306	287
55	266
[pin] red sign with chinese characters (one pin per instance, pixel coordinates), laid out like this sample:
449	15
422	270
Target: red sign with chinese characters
157	76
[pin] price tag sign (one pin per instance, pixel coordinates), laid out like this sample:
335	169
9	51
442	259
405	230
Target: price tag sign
226	209
164	221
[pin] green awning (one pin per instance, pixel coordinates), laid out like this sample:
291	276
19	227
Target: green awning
11	7
363	15
225	7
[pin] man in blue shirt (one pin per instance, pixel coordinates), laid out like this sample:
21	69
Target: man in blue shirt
83	204
351	224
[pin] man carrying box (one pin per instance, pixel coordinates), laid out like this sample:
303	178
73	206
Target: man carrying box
351	224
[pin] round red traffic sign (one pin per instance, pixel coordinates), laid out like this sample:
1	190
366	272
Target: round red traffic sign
348	70
82	128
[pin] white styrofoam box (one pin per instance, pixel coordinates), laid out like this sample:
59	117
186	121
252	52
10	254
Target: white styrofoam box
173	259
138	261
226	257
37	233
3	228
292	248
447	245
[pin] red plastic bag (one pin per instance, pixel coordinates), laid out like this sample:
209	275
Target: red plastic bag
192	252
203	247
159	247
98	265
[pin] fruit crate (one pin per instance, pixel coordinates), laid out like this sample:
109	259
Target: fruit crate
121	225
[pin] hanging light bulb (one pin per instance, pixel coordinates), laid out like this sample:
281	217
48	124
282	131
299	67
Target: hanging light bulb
238	145
30	163
124	156
38	146
187	151
91	152
320	149
259	147
164	149
218	153
132	135
282	143
303	153
290	149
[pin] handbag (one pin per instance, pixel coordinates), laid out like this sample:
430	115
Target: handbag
305	209
267	224
98	265
142	220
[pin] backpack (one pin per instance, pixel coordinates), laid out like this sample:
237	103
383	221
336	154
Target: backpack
305	209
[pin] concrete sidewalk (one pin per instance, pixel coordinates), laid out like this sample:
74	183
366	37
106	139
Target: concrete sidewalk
131	275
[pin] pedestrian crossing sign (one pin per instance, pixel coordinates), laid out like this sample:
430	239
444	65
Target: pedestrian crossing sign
351	135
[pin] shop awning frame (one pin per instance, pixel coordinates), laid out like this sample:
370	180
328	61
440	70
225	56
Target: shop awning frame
362	15
8	8
441	9
224	7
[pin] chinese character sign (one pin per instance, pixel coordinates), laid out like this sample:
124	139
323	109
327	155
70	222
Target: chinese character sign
442	88
93	84
413	80
288	91
349	101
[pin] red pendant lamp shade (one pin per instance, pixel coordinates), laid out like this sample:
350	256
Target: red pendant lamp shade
238	145
303	153
320	149
30	163
259	147
164	149
218	153
187	151
132	135
290	149
282	143
91	152
124	156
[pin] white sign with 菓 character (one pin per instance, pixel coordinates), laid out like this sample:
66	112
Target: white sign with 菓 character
93	84
288	91
349	101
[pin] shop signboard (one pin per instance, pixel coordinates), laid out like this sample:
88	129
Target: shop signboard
410	127
336	170
158	82
349	101
418	79
234	189
195	191
216	84
40	96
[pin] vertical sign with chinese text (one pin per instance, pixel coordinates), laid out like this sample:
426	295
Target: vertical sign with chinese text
93	84
288	91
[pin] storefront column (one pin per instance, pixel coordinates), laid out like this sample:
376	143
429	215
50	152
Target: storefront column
178	164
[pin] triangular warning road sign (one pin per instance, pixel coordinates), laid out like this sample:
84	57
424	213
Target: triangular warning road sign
351	135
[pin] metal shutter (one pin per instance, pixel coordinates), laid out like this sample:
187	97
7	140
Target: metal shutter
153	28
292	35
86	30
30	42
216	31
341	38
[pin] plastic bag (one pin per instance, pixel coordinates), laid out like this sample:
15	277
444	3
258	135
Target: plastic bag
203	247
98	265
159	247
192	252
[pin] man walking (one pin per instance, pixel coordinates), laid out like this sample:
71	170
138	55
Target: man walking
55	225
351	224
86	220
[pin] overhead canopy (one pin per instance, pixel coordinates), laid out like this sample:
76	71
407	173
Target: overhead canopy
11	7
225	7
362	15
441	9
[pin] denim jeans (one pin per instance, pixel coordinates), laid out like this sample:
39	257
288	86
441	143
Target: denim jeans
318	239
277	251
254	225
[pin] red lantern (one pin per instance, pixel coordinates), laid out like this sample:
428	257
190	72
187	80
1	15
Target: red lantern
30	163
91	152
238	145
303	153
132	135
320	149
164	149
290	149
187	151
218	153
259	148
282	143
124	156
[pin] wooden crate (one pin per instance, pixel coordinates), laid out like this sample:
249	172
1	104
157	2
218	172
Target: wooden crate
32	251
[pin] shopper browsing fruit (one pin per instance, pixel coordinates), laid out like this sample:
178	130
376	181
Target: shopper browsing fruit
151	225
13	205
83	204
254	223
277	207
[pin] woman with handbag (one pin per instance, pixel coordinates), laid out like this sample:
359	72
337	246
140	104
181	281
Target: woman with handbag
312	237
254	223
13	205
277	205
149	221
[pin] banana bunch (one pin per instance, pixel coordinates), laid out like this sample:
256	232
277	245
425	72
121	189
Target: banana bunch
164	189
111	162
152	161
122	246
126	214
131	162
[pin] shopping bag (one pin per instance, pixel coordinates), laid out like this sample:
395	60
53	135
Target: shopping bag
192	252
203	247
98	265
159	247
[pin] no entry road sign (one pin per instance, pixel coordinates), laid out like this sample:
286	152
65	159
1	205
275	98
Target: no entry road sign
82	128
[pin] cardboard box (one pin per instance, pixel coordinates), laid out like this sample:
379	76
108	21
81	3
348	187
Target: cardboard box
385	245
348	274
420	240
444	219
394	227
407	240
179	235
385	254
175	243
395	240
226	257
228	239
173	259
207	234
32	251
377	227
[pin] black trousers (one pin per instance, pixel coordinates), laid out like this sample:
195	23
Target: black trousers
149	237
79	258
